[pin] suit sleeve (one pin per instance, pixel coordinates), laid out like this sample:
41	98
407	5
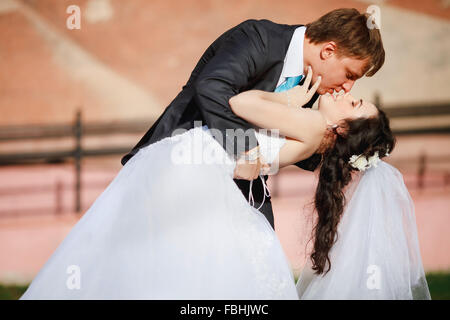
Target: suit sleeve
239	60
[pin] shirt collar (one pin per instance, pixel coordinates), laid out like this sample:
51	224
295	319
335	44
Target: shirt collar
293	62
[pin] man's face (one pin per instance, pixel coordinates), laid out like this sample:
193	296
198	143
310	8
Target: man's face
338	72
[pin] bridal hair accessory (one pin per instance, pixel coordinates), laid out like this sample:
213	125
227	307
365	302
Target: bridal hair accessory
333	127
361	163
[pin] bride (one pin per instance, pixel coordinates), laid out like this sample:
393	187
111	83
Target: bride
168	227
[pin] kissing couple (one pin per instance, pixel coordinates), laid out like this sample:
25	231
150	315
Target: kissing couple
168	227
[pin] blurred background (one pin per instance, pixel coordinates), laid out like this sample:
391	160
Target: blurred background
74	101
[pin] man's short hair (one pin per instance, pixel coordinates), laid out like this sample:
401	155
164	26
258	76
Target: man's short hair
349	29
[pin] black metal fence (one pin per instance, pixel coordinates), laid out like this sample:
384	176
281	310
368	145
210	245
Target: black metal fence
79	130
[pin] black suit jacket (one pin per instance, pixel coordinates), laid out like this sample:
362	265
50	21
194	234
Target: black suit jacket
247	56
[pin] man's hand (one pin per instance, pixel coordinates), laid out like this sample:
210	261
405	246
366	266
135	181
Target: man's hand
250	169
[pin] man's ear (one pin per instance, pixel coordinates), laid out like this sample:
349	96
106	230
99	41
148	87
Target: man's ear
328	50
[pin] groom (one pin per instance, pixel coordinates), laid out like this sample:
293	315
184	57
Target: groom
263	55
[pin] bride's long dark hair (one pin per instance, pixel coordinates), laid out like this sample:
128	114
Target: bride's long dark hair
353	137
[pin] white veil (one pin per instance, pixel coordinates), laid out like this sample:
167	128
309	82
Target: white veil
377	253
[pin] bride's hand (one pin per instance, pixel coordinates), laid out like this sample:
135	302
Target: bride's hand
299	95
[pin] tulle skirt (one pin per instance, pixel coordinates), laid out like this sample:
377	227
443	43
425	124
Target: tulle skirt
171	225
376	255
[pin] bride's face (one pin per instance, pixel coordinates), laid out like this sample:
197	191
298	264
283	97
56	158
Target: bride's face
345	106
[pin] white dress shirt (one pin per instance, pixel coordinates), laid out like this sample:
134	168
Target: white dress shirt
293	62
271	141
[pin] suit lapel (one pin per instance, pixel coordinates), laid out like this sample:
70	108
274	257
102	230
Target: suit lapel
281	35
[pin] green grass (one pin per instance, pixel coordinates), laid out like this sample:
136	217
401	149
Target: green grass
11	292
439	285
438	282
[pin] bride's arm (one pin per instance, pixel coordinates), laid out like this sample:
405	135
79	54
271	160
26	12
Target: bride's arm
269	110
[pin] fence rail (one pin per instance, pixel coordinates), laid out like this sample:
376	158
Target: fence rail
10	133
78	130
418	110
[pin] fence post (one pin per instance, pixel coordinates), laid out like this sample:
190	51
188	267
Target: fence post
377	100
78	154
58	197
274	192
421	171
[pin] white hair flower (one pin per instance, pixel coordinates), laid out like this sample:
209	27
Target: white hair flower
361	163
373	160
358	162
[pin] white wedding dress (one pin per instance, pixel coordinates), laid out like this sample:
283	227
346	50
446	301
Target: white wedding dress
171	225
376	255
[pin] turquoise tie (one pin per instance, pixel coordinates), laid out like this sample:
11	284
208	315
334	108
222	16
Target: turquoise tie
289	83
